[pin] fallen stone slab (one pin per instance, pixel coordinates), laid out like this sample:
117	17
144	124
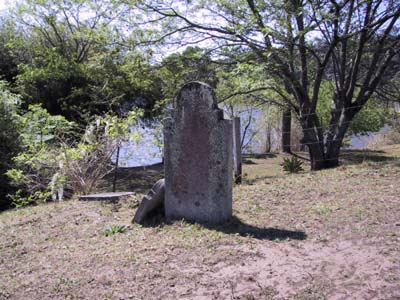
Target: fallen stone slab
114	197
151	201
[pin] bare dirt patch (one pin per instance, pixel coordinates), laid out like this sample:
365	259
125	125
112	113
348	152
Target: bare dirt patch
333	234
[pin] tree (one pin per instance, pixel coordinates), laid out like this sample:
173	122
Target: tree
301	43
8	63
75	61
193	64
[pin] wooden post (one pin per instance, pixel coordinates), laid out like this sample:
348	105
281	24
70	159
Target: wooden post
237	151
286	130
116	170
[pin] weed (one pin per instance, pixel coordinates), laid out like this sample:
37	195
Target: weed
114	229
391	278
321	209
61	284
292	165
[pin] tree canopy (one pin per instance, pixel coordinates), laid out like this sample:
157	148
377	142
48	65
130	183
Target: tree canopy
300	43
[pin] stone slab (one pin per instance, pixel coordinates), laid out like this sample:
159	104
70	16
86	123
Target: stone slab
105	196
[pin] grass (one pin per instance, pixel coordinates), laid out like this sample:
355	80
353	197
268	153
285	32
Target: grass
312	235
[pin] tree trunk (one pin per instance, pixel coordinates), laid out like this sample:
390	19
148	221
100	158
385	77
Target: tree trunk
326	155
286	130
317	156
313	139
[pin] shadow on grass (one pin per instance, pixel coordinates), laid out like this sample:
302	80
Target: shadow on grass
247	161
258	179
353	157
233	226
260	155
236	226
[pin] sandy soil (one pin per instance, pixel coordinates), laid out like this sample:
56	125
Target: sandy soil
328	235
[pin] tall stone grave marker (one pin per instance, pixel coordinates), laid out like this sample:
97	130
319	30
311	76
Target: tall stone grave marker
198	158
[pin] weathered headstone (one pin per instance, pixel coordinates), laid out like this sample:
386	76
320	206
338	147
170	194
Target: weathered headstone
237	151
198	158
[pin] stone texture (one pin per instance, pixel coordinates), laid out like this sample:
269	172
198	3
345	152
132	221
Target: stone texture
153	199
198	158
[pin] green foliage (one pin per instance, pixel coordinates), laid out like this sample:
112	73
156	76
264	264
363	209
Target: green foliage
292	165
35	167
346	142
194	64
114	229
40	129
55	158
371	118
8	60
76	60
10	141
90	159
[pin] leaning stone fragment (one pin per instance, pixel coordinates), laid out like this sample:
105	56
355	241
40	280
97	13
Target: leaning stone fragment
152	200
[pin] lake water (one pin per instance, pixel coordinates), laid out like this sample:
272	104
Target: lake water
145	152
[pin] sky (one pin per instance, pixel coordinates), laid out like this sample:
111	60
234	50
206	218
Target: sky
6	3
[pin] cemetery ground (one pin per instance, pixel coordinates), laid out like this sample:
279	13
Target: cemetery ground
332	234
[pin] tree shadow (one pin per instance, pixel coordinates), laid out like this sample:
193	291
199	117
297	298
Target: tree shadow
247	161
299	156
258	179
354	157
260	155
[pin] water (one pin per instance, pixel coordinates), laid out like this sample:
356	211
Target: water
148	150
143	152
362	141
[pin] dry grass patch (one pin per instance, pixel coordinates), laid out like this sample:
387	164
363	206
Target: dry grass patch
332	234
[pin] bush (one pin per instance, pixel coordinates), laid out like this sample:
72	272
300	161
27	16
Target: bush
292	165
55	159
90	160
37	165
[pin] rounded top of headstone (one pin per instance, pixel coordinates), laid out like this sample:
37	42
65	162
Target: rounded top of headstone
196	95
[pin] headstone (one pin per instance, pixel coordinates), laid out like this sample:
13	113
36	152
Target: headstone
152	200
198	158
237	151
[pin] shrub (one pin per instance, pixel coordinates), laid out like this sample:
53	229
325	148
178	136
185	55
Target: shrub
37	166
90	160
292	165
55	159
